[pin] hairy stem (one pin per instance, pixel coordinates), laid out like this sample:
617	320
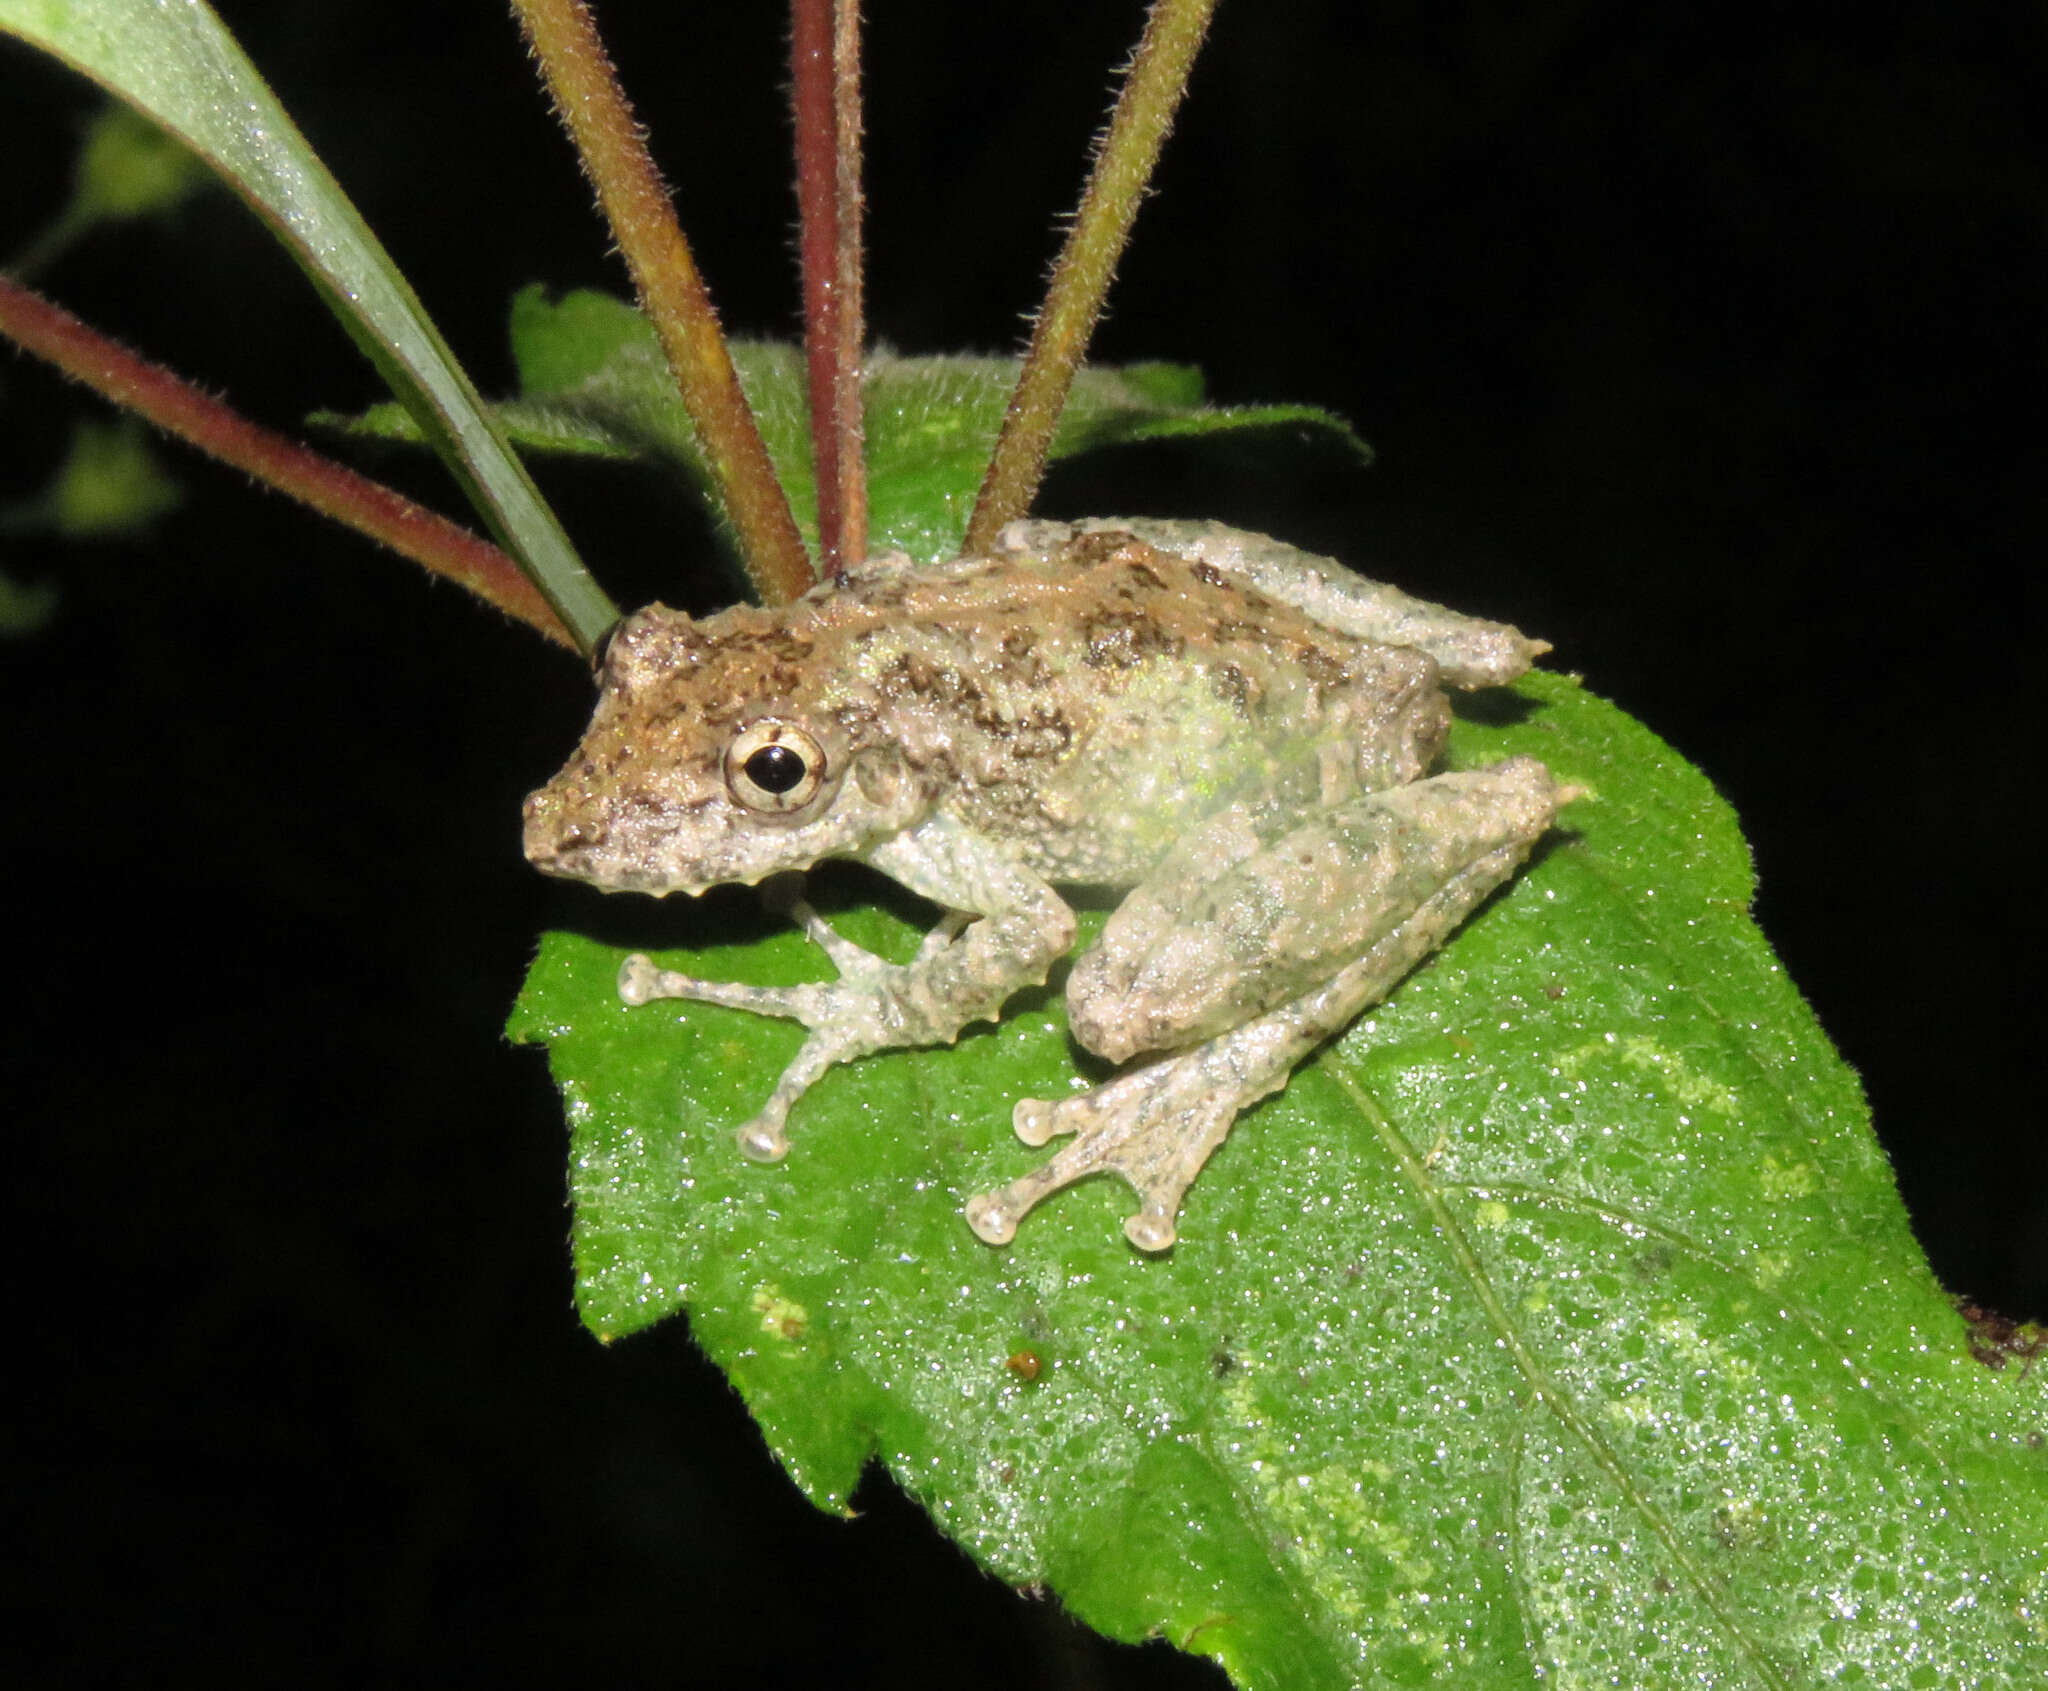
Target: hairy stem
600	121
824	57
333	489
1124	159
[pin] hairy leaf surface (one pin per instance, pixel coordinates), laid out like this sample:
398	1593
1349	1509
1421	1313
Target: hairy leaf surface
1560	1324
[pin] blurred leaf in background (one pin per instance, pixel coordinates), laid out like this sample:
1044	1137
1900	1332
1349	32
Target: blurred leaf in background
127	168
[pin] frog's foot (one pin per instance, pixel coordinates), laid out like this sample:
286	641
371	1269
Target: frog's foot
1155	1126
1141	1127
871	1006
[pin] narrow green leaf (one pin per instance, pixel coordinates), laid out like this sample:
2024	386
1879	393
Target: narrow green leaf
592	382
1560	1324
178	66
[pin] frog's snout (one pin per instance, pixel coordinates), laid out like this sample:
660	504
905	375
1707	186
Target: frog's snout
561	836
585	835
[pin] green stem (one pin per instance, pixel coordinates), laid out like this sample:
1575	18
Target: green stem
1124	161
334	490
599	119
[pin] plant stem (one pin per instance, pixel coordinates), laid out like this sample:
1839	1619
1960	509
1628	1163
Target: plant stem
333	489
599	119
1124	159
824	59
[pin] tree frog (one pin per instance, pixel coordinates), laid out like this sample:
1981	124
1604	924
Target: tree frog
1236	734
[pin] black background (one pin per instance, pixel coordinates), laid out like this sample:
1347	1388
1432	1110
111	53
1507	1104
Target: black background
1703	340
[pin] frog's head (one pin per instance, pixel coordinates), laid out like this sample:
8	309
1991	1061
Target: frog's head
715	755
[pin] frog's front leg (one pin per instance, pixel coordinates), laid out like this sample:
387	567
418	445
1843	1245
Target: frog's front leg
1003	929
850	1017
1353	898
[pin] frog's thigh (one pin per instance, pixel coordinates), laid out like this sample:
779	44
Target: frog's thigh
1158	906
1185	959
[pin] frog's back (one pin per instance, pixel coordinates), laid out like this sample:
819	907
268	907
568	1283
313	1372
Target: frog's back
1088	703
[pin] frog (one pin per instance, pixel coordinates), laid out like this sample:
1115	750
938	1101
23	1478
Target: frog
1237	739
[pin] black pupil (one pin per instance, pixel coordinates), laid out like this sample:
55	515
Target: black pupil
775	769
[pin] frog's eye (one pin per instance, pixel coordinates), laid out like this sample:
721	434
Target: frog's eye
774	767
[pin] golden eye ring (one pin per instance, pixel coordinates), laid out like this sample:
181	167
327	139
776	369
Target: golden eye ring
774	767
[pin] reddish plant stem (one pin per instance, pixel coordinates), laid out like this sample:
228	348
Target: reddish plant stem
852	270
824	59
333	489
613	148
1124	158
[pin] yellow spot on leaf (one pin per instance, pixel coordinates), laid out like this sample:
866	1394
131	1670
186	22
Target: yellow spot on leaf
1689	1088
1780	1181
781	1317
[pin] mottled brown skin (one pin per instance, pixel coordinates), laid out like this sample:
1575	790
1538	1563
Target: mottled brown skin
1016	694
1237	732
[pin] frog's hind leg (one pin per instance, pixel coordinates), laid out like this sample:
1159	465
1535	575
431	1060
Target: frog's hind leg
1238	927
1422	859
1157	1125
1469	651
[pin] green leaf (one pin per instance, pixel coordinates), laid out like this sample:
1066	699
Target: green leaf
25	607
592	382
128	167
932	422
110	483
1560	1324
178	66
